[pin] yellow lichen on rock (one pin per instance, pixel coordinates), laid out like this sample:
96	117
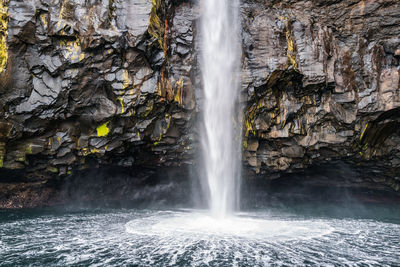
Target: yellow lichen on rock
245	144
249	127
52	169
156	28
66	10
291	46
44	19
72	51
3	34
29	149
290	50
126	79
249	120
363	132
178	98
103	130
60	16
87	151
121	101
65	13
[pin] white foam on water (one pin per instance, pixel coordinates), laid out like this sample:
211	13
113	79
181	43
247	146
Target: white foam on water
194	238
197	225
205	239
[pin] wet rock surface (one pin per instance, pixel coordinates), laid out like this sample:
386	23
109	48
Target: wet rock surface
321	80
112	83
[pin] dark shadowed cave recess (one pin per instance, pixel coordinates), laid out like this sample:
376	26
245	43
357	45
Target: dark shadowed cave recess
335	182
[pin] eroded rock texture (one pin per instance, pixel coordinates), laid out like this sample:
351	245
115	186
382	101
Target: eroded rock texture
116	83
94	83
322	79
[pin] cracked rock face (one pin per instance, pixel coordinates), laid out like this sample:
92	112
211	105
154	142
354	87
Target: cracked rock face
321	83
116	83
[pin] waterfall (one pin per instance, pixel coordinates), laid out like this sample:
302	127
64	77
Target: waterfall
221	140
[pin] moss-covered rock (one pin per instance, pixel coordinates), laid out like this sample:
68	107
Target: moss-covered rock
3	34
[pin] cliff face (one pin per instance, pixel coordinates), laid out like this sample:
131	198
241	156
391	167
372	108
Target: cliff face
323	82
116	83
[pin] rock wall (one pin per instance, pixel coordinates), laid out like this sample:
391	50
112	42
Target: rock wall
86	84
105	80
322	82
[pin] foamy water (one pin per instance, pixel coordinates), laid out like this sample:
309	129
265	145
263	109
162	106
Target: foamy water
198	225
193	238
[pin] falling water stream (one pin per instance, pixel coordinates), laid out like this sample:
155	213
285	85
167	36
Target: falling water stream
220	64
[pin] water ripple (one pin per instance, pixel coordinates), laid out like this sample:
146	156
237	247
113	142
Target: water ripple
158	238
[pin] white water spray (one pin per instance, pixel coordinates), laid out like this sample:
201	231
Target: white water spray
221	139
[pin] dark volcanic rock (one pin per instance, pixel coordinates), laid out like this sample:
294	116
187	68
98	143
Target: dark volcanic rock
116	83
322	80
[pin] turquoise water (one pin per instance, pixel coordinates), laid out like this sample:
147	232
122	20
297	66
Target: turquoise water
300	235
